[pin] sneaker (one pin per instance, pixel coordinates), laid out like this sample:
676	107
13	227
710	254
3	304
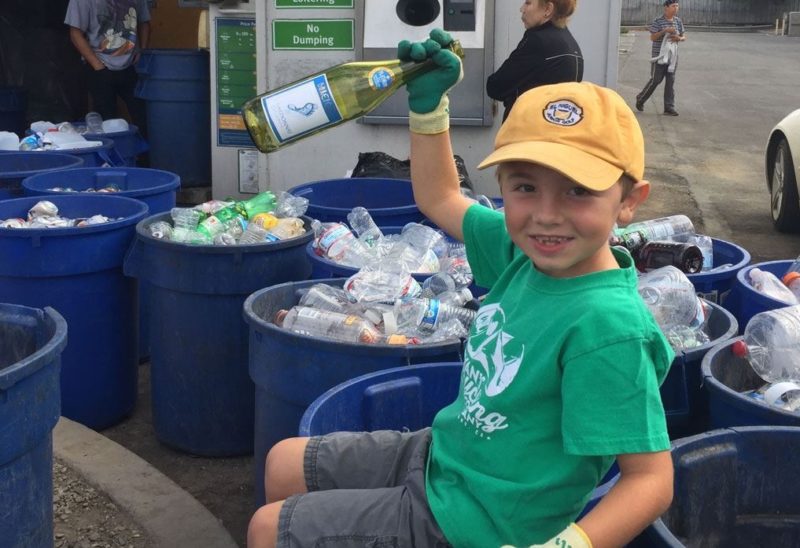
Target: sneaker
670	112
639	105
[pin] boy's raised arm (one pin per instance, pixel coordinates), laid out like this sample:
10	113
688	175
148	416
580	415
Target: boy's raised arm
433	172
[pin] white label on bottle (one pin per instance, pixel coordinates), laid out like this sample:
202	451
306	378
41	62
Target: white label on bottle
335	241
302	108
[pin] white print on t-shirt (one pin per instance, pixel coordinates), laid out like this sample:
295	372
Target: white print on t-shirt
492	361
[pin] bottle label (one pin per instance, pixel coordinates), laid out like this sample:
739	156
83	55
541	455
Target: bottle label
300	109
334	242
431	316
381	78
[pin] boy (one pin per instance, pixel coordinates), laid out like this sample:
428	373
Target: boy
562	365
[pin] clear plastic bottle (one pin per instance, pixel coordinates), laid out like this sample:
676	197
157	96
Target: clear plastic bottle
457	266
289	205
261	203
161	230
459	297
424	237
671	298
285	228
413	259
364	226
662	228
767	283
328	297
383	284
428	314
336	242
94	122
772	344
439	282
253	234
325	323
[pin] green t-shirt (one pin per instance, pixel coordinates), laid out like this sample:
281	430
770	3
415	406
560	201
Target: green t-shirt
560	376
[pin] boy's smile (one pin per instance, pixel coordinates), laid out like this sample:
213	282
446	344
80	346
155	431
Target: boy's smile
562	226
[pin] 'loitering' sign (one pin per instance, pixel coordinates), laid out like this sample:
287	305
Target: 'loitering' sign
280	4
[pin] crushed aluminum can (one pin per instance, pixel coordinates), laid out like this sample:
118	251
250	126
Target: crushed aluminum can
42	209
93	220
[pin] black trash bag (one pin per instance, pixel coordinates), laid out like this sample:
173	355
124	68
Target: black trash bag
381	165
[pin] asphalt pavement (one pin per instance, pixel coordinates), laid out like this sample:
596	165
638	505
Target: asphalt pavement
708	163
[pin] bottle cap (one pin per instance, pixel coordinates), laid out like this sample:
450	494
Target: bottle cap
790	277
739	349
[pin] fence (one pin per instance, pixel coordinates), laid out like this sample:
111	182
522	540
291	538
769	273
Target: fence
711	12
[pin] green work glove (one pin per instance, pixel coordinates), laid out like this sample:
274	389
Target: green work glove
427	94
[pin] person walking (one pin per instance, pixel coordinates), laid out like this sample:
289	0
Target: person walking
547	53
109	35
665	33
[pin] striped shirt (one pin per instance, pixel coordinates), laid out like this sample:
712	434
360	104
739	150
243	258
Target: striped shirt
659	24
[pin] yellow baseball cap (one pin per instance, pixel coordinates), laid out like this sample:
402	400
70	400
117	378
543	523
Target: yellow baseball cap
584	131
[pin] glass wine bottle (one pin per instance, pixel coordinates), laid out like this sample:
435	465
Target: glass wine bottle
341	93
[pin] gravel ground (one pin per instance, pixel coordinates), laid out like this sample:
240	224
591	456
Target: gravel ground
87	518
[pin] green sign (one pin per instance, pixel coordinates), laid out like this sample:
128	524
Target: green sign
324	34
280	4
236	78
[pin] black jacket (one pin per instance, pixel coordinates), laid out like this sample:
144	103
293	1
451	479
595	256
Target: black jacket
545	55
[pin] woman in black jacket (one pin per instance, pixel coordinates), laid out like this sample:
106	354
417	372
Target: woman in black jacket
547	53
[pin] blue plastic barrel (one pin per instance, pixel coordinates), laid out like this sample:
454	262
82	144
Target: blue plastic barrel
129	144
100	155
745	302
389	201
202	396
78	271
733	487
726	376
400	398
13	107
290	370
175	85
685	401
31	342
154	187
16	166
716	286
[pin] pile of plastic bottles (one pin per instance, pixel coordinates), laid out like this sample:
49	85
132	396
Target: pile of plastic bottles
667	241
677	309
371	310
46	135
44	214
771	343
261	219
785	289
418	248
105	190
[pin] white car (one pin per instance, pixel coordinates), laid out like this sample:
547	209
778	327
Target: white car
783	172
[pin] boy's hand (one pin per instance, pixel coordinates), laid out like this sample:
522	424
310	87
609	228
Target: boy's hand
571	537
427	94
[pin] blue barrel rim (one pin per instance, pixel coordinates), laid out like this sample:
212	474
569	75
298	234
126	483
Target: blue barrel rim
263	326
741	279
70	162
395	211
140	210
305	421
714	385
211	249
175	183
712	276
12	374
105	143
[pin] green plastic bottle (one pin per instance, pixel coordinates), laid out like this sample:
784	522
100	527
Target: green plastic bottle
341	93
242	210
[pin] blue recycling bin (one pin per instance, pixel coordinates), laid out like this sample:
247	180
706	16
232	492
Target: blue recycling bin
202	396
31	342
129	144
13	107
685	401
732	487
400	398
291	370
156	188
78	271
389	201
17	166
725	378
175	85
102	155
745	302
716	286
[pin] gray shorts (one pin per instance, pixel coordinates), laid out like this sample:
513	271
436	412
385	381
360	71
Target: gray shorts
365	489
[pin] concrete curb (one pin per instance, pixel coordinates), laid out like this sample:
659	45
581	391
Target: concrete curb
171	517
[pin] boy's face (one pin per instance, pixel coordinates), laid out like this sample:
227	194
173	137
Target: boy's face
560	225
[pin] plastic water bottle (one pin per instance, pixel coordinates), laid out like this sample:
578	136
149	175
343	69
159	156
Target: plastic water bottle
438	283
384	284
364	226
459	297
662	228
427	314
424	237
767	283
413	259
336	242
333	325
161	230
772	344
289	205
457	266
671	298
94	122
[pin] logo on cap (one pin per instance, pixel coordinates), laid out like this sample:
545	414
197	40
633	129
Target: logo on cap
563	113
